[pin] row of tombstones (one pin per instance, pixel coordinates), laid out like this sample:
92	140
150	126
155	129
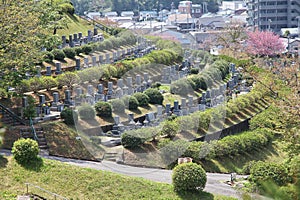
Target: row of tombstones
102	59
77	39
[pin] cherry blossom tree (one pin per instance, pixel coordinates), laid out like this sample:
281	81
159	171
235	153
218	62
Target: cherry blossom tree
264	43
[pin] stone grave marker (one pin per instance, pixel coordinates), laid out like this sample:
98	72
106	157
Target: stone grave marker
77	63
94	61
48	71
58	68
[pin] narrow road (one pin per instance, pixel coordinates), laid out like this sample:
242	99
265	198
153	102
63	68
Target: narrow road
215	181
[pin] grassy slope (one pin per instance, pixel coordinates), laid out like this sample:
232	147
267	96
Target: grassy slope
80	183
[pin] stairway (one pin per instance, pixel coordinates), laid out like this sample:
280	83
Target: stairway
39	136
9	118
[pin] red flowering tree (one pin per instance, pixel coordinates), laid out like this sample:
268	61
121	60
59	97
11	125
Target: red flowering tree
264	43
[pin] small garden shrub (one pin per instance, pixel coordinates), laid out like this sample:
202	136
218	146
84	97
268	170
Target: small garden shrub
86	112
78	50
87	49
130	140
194	71
117	105
48	56
262	172
58	54
103	109
25	151
70	52
70	116
142	98
155	97
188	177
130	102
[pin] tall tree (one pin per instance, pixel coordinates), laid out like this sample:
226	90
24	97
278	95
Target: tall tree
264	43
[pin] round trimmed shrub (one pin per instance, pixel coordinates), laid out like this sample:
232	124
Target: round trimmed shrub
69	52
103	109
117	105
181	87
155	97
25	151
189	177
69	116
87	49
78	50
58	54
130	102
86	112
130	140
142	98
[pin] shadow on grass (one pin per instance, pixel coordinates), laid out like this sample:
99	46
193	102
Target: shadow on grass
3	162
195	195
33	165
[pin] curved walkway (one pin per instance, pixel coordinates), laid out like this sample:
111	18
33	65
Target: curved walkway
215	181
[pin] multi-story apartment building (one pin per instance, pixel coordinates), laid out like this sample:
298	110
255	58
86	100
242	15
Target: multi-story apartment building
273	14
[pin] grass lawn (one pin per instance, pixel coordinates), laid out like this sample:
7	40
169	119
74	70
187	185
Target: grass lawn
80	183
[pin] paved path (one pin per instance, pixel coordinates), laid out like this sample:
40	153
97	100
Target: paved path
215	181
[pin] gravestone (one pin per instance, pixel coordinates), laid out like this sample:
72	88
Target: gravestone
71	44
86	62
24	102
89	37
77	63
109	90
208	94
191	101
68	97
131	119
107	58
168	109
95	31
129	85
55	98
75	36
42	100
90	90
119	54
48	71
101	61
78	92
202	107
79	35
58	68
125	90
159	111
100	89
98	97
176	108
120	83
94	61
184	109
138	83
64	40
115	57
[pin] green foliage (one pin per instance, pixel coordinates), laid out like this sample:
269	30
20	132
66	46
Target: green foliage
262	172
69	116
131	140
49	82
48	56
170	128
87	49
58	54
86	112
189	177
181	87
30	111
78	50
69	52
194	71
35	84
173	150
68	79
142	98
118	105
294	169
130	102
67	8
155	97
103	109
25	151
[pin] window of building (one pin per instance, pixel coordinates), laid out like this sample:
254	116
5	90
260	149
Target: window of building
282	11
282	3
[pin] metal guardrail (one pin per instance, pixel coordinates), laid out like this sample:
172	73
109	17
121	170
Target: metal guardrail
12	115
56	196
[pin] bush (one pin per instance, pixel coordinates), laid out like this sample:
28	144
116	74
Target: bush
103	109
69	116
78	50
189	177
181	87
262	172
67	8
30	110
130	140
130	102
155	97
87	49
48	56
25	151
58	54
35	84
69	52
49	82
194	71
86	112
170	129
117	105
142	98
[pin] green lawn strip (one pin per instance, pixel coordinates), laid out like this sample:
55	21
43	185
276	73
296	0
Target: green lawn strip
81	183
272	153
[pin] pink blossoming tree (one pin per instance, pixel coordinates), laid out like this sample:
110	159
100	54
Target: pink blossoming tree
264	43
